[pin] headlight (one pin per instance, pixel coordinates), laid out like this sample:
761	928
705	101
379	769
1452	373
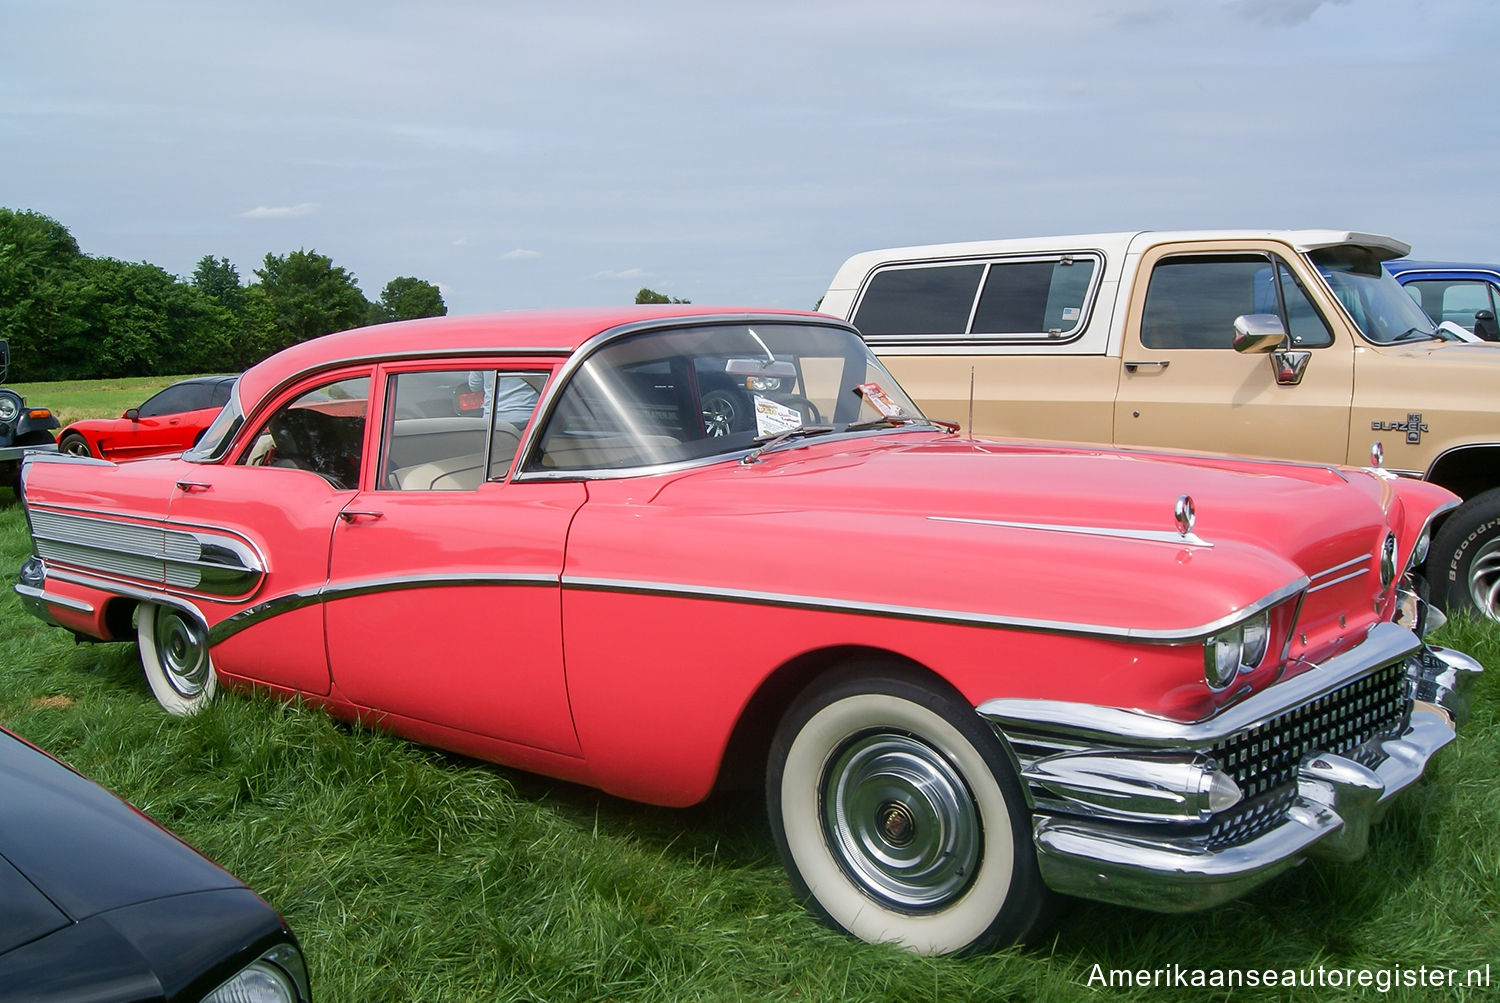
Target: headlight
1419	552
1237	649
280	976
10	406
763	384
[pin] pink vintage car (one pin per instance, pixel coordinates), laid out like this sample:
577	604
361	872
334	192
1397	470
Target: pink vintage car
662	550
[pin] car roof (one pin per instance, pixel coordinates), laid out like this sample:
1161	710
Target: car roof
1404	265
1119	243
519	332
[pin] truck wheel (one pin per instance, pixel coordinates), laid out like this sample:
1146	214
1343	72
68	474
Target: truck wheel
899	818
1464	566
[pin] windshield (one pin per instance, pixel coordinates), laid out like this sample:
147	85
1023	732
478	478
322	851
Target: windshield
1383	311
216	437
665	396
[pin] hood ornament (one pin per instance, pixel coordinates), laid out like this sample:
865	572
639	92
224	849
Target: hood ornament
1186	515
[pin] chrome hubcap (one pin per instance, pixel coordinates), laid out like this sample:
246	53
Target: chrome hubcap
1484	580
183	650
76	447
901	821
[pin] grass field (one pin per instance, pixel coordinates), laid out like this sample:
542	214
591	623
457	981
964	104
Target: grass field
410	874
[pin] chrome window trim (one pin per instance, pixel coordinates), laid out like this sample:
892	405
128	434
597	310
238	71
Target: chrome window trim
564	374
1382	645
966	338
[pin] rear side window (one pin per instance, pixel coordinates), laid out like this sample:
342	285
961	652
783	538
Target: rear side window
1001	300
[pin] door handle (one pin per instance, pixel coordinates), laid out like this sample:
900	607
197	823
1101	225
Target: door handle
349	515
1131	367
193	485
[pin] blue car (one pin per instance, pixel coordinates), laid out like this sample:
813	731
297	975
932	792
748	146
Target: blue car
1463	293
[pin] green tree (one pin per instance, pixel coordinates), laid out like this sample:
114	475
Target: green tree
141	321
406	298
652	296
218	279
39	273
306	296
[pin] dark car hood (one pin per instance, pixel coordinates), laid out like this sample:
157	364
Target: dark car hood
69	849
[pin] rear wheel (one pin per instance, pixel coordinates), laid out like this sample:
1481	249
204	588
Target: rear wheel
1464	565
899	817
174	654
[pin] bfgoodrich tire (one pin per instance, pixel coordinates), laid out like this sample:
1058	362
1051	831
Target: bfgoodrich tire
899	817
1463	568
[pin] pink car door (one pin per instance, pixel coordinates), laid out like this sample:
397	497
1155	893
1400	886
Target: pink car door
444	595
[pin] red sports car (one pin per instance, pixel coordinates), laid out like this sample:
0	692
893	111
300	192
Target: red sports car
169	422
663	550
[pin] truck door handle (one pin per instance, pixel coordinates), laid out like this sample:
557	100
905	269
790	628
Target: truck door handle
1131	367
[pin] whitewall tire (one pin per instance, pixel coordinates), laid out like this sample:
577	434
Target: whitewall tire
899	817
174	655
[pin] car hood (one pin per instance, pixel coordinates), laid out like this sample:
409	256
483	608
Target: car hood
1064	534
69	849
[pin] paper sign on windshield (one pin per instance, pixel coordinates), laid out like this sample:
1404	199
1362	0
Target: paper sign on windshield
772	418
877	397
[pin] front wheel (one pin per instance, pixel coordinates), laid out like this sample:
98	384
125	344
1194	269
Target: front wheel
899	817
74	445
1463	567
174	654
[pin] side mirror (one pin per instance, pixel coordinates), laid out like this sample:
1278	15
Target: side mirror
134	414
1485	326
1258	333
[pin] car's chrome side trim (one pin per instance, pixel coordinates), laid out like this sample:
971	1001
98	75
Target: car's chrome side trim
278	605
190	560
1383	644
1179	635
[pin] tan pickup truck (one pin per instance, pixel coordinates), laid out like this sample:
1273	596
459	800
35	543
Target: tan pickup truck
1282	343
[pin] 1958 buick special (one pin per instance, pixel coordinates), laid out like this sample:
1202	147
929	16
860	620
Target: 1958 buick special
657	551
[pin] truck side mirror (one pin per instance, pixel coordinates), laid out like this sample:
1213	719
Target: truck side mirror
1485	326
1258	333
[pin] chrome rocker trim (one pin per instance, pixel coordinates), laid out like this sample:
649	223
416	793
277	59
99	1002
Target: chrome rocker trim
1090	839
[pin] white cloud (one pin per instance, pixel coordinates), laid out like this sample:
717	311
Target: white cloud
280	211
520	254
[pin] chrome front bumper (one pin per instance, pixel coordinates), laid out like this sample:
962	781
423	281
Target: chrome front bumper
1105	854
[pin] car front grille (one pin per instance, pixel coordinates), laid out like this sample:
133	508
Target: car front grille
1263	761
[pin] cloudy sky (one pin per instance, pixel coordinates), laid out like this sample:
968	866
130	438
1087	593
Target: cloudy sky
562	153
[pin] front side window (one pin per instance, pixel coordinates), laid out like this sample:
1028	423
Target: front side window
321	430
1192	301
1456	300
1028	298
691	393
